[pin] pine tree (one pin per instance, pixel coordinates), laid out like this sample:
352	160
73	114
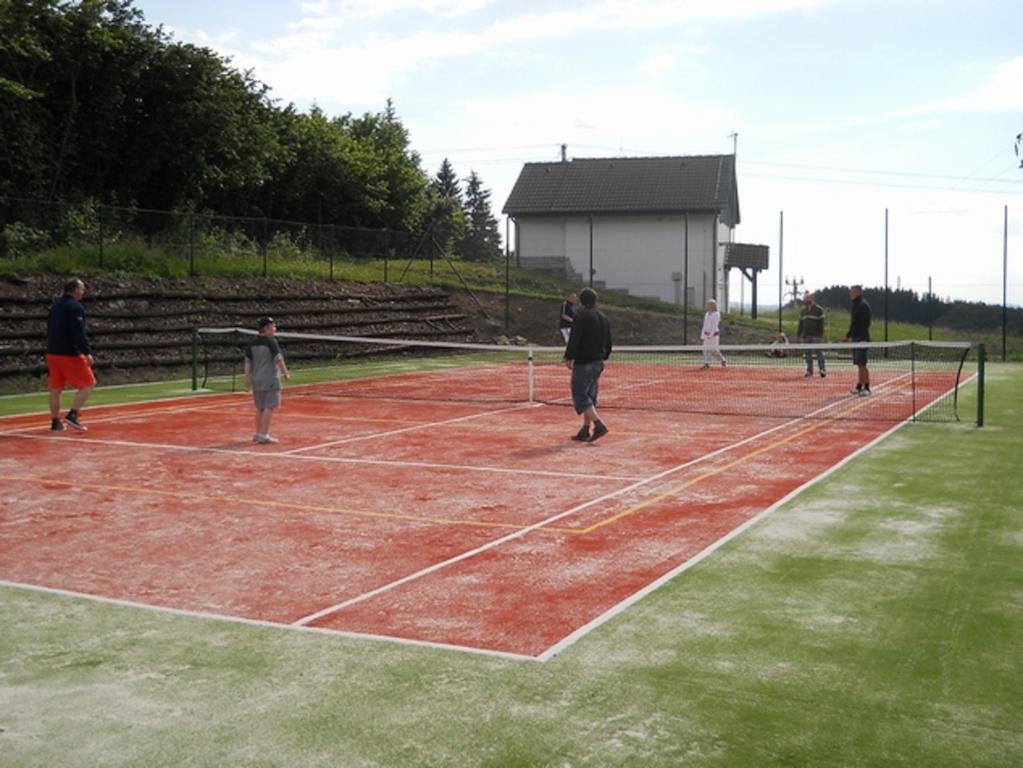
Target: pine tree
482	241
445	210
447	183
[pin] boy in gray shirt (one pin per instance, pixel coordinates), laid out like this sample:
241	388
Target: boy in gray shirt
264	366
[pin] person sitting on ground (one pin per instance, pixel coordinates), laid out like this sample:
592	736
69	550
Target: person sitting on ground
779	347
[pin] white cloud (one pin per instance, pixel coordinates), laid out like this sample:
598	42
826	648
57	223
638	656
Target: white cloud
1001	91
310	62
380	8
665	60
221	40
919	126
605	116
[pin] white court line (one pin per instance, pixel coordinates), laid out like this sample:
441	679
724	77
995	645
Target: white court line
18	432
87	440
264	623
298	452
413	428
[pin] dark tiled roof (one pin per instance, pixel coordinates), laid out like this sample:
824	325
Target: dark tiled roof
627	185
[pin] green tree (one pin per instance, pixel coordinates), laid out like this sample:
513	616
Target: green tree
25	50
446	181
445	218
482	239
98	105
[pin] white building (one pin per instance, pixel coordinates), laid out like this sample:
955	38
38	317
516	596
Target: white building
644	225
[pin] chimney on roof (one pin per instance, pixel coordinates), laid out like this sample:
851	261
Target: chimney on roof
564	153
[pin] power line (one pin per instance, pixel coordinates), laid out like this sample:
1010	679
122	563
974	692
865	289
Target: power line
485	149
891	185
872	172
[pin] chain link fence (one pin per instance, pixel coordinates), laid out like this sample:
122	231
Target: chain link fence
180	244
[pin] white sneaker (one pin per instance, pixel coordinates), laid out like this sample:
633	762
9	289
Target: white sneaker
863	392
266	439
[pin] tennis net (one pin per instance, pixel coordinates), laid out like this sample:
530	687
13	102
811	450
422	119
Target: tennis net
919	380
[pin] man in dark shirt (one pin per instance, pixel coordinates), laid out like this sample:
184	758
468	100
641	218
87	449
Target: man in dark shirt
68	355
859	330
811	331
589	345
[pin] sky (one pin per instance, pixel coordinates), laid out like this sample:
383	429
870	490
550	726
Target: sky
843	113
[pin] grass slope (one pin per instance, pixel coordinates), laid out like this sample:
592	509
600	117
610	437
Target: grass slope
874	620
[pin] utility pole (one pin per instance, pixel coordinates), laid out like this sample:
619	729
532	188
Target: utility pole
796	284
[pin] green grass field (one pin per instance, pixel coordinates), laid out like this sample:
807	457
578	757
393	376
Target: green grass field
874	620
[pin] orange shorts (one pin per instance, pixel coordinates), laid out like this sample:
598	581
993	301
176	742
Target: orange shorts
70	370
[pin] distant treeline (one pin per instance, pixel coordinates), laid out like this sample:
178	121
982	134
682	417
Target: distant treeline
97	105
907	306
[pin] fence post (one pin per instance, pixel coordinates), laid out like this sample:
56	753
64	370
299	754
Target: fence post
195	358
191	244
101	236
266	236
507	280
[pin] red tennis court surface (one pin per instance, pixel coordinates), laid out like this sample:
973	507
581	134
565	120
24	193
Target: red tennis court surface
476	526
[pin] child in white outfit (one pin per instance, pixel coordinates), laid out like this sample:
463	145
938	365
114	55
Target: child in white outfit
712	334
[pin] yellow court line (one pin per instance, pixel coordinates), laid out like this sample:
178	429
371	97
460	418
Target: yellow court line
264	503
675	490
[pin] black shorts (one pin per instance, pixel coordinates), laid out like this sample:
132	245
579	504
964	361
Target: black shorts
859	354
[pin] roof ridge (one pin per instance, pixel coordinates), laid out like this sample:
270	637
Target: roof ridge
720	158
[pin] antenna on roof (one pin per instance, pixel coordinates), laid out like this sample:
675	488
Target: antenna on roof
734	136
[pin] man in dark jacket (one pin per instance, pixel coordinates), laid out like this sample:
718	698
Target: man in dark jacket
811	331
68	355
589	345
859	330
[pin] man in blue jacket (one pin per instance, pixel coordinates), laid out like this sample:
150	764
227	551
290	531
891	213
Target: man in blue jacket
69	355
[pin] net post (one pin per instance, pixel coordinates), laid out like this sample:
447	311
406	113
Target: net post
195	358
981	360
912	374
